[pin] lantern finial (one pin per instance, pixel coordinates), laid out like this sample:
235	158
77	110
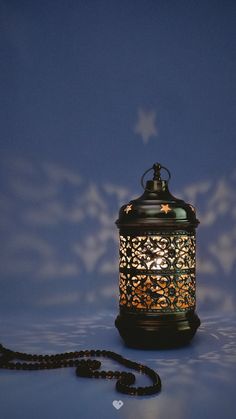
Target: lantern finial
157	167
157	171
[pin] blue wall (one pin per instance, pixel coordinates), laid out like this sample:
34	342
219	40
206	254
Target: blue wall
92	94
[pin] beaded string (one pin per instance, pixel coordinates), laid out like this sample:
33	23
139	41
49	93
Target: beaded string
84	368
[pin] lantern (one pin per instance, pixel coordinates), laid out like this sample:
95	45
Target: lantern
157	267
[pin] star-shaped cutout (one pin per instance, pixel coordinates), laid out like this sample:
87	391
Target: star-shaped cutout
146	125
128	208
192	208
165	208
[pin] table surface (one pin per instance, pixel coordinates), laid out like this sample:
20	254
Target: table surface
197	380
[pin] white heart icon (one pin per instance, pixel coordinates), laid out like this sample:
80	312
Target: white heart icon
117	404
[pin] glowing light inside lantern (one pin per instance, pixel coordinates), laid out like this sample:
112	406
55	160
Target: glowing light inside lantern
157	272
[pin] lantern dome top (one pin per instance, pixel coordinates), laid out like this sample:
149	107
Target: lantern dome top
157	207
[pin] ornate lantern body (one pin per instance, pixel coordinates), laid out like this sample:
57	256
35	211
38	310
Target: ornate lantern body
157	268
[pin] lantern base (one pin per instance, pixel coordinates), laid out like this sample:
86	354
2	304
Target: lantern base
153	331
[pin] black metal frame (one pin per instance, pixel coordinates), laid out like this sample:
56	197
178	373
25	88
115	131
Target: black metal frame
167	327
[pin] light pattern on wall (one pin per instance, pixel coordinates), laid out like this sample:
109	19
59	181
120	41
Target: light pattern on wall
146	126
57	228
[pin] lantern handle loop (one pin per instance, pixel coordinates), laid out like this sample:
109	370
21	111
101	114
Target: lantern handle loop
157	167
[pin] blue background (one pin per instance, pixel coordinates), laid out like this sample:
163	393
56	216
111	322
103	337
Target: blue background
92	93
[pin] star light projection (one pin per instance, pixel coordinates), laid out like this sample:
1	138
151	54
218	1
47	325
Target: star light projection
146	125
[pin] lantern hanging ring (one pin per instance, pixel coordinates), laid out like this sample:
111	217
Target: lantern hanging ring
157	167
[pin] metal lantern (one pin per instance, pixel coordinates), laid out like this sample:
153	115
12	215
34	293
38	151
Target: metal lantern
157	267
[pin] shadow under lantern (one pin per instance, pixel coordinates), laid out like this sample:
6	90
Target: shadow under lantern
157	267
